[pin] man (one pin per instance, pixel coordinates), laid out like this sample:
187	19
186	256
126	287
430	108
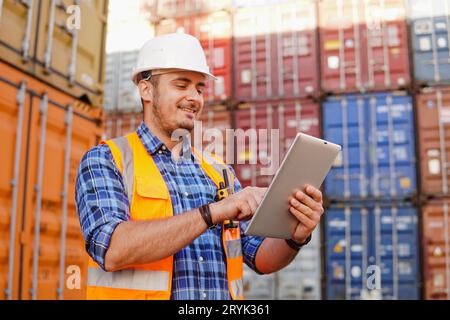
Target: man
149	216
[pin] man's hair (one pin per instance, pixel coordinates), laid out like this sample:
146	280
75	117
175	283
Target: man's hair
154	80
147	75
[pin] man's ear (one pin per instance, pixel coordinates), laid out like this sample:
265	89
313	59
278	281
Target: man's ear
145	91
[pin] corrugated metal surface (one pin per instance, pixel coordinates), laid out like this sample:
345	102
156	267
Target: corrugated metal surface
175	8
121	95
363	249
119	124
17	47
433	116
364	45
436	248
46	44
275	51
301	280
44	134
376	132
290	117
430	37
214	32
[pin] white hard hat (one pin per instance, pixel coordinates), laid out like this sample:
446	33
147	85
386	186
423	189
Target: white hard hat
172	51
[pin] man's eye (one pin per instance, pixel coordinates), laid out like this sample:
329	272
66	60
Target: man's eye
181	86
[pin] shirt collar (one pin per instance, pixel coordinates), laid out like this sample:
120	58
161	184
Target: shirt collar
151	142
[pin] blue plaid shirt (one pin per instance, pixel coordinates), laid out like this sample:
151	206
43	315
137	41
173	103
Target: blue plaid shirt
200	267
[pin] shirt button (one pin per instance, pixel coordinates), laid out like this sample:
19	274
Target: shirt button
164	148
186	194
200	259
204	295
159	151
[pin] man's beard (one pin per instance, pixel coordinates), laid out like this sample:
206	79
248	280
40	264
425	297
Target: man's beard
166	128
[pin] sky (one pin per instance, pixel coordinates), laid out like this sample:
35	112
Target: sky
128	26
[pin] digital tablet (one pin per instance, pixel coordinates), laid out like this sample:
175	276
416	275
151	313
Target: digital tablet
307	161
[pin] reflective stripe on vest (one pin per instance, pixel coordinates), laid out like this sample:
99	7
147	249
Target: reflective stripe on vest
234	248
145	188
127	164
238	289
147	280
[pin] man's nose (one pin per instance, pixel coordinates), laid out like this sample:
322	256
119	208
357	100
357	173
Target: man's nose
194	96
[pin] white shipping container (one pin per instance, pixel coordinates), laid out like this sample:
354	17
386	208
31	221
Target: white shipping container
120	92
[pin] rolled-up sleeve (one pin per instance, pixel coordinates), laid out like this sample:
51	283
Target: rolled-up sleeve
250	244
101	201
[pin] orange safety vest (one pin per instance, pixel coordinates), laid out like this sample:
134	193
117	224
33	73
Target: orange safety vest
149	198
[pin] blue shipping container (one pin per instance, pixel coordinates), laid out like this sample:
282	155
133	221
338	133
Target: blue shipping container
430	31
366	258
376	132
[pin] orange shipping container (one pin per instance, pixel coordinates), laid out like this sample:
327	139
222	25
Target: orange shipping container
44	134
433	116
436	249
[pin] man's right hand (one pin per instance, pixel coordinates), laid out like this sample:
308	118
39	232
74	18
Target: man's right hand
238	206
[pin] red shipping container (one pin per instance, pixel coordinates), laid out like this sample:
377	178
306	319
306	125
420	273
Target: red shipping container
364	45
289	116
436	249
433	110
217	117
275	51
214	32
177	8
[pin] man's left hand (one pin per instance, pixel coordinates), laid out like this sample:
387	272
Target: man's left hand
306	206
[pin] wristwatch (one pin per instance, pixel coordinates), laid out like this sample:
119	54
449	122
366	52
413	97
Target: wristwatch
297	246
206	215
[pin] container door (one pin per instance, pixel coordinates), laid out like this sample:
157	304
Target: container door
14	118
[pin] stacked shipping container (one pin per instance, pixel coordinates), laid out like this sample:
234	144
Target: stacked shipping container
379	62
275	82
433	114
376	169
430	31
51	72
371	229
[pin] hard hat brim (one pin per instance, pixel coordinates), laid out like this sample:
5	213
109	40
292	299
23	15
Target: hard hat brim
137	71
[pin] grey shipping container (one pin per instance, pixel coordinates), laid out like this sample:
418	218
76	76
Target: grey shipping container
120	92
300	280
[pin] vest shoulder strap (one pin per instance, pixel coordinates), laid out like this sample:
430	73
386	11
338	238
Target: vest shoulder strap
123	156
214	167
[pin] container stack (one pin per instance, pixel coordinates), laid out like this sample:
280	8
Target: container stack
51	79
430	31
276	87
372	76
371	228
